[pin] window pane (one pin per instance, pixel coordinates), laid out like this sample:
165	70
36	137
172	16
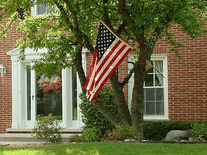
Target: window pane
150	108
151	69
159	94
158	64
158	80
149	80
160	108
150	94
41	9
51	10
49	96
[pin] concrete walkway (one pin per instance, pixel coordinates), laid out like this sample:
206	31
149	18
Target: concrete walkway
24	138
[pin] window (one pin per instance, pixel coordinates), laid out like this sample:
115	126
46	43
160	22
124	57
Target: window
41	9
154	89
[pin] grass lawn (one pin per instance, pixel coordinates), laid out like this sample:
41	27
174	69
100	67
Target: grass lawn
110	148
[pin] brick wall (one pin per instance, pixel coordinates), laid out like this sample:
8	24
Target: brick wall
187	78
6	81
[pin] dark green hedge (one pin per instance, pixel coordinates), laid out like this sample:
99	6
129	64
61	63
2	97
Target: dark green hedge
157	130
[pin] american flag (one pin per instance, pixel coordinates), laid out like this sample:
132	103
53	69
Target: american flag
109	52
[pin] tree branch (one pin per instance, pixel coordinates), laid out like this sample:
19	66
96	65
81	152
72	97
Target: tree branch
75	21
125	14
79	68
126	80
121	27
76	29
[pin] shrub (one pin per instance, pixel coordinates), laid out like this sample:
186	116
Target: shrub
123	132
199	131
76	138
92	134
48	128
93	119
157	130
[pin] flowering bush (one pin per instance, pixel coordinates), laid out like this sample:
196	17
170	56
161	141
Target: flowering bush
50	85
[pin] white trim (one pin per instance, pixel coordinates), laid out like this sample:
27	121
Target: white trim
15	122
165	84
34	10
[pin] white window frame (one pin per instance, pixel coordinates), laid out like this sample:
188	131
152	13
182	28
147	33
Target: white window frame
162	57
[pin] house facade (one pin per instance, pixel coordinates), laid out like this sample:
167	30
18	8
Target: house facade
175	89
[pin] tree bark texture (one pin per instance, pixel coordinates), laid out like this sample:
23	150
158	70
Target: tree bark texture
121	101
137	95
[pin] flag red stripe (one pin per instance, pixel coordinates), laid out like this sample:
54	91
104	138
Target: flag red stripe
116	66
91	69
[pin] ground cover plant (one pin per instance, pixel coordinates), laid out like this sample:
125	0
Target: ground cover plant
199	131
110	148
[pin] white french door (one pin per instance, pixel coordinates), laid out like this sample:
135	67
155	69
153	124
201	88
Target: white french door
57	95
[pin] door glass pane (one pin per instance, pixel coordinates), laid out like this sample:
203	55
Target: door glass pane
49	95
74	90
28	95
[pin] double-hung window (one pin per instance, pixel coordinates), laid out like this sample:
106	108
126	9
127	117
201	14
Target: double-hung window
154	89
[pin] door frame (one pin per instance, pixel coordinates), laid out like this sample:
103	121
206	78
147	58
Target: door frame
19	111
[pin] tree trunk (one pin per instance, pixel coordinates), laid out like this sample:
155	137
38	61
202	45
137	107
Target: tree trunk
137	95
79	69
120	100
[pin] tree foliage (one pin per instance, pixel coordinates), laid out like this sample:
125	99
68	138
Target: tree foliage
73	26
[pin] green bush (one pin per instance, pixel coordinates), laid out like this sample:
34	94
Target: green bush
92	134
48	128
123	132
93	119
199	131
76	138
157	130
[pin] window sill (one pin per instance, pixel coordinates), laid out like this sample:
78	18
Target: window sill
155	118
